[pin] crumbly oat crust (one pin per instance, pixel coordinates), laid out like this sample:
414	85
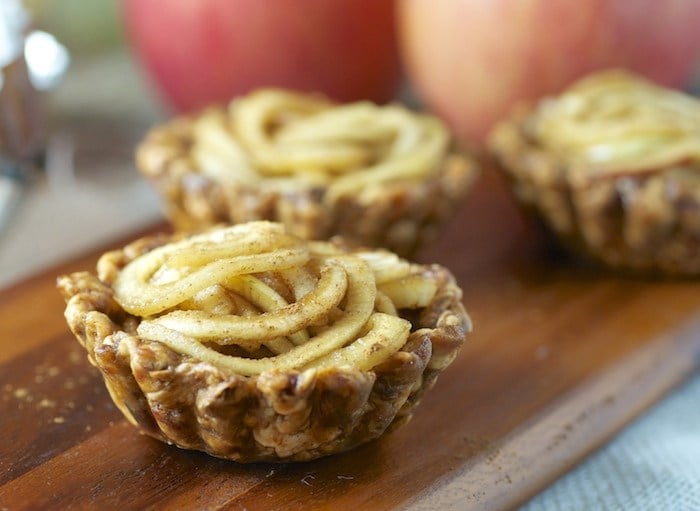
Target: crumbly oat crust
401	216
637	221
276	416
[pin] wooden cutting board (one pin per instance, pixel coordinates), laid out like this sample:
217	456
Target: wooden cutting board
561	358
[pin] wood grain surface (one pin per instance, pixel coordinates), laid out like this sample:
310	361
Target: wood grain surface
562	357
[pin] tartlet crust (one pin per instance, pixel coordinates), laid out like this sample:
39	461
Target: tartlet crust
641	222
279	415
401	216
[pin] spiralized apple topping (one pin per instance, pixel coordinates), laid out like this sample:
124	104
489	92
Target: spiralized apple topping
283	302
617	122
294	141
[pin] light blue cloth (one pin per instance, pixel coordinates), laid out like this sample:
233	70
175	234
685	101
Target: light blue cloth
653	464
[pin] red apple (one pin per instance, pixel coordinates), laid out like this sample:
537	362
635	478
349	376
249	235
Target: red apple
204	51
472	60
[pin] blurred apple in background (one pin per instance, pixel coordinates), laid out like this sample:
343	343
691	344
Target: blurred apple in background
204	51
472	60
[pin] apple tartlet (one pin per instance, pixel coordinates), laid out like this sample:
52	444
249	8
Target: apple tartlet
377	175
252	344
612	166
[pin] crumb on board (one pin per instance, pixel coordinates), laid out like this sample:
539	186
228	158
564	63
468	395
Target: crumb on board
46	403
76	357
308	479
21	393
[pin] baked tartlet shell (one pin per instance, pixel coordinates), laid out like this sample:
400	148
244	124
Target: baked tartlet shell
279	415
641	222
399	216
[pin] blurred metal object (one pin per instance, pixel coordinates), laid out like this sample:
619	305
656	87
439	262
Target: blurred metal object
30	62
12	184
13	22
47	59
21	126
